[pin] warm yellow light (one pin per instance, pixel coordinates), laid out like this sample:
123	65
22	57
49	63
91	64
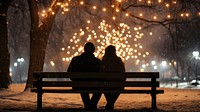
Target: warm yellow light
112	6
43	15
154	17
58	3
127	14
150	33
182	15
174	62
167	5
53	13
94	7
140	14
66	9
81	2
119	0
141	70
187	14
112	36
52	63
104	9
43	11
174	2
159	1
50	9
117	10
168	16
149	2
114	18
10	74
88	21
63	49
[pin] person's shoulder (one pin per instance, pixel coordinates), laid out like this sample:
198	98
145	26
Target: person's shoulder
97	59
76	57
119	58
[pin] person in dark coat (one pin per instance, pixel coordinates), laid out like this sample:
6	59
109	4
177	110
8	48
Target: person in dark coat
86	62
112	63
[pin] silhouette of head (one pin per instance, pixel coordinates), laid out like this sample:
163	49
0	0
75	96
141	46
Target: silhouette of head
89	47
110	50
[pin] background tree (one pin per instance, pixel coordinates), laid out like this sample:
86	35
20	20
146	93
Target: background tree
5	55
39	35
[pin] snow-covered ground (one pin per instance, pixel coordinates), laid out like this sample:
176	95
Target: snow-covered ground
185	98
181	85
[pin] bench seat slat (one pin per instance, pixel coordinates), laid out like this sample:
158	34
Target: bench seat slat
97	91
96	84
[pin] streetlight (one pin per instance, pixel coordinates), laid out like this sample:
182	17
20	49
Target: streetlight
196	56
164	64
153	62
20	61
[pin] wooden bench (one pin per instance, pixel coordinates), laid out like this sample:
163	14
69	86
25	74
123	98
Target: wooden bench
146	81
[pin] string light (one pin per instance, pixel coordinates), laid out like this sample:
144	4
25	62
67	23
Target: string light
104	9
168	16
140	14
94	7
159	1
114	18
187	14
117	10
182	14
66	6
167	5
58	3
81	2
119	37
154	17
107	36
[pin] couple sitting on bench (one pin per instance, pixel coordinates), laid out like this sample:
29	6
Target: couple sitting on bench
87	62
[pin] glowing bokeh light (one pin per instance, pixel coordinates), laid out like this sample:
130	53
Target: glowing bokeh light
106	35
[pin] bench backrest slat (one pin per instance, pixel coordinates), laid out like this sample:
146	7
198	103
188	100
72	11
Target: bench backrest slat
148	79
95	75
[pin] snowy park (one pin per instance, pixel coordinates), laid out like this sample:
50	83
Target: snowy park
183	99
147	36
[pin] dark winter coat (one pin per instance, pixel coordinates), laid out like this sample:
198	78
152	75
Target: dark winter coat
86	62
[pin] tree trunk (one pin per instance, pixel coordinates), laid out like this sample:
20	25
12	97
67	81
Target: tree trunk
4	53
39	36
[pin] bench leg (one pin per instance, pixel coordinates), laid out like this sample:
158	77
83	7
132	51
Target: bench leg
39	101
153	102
